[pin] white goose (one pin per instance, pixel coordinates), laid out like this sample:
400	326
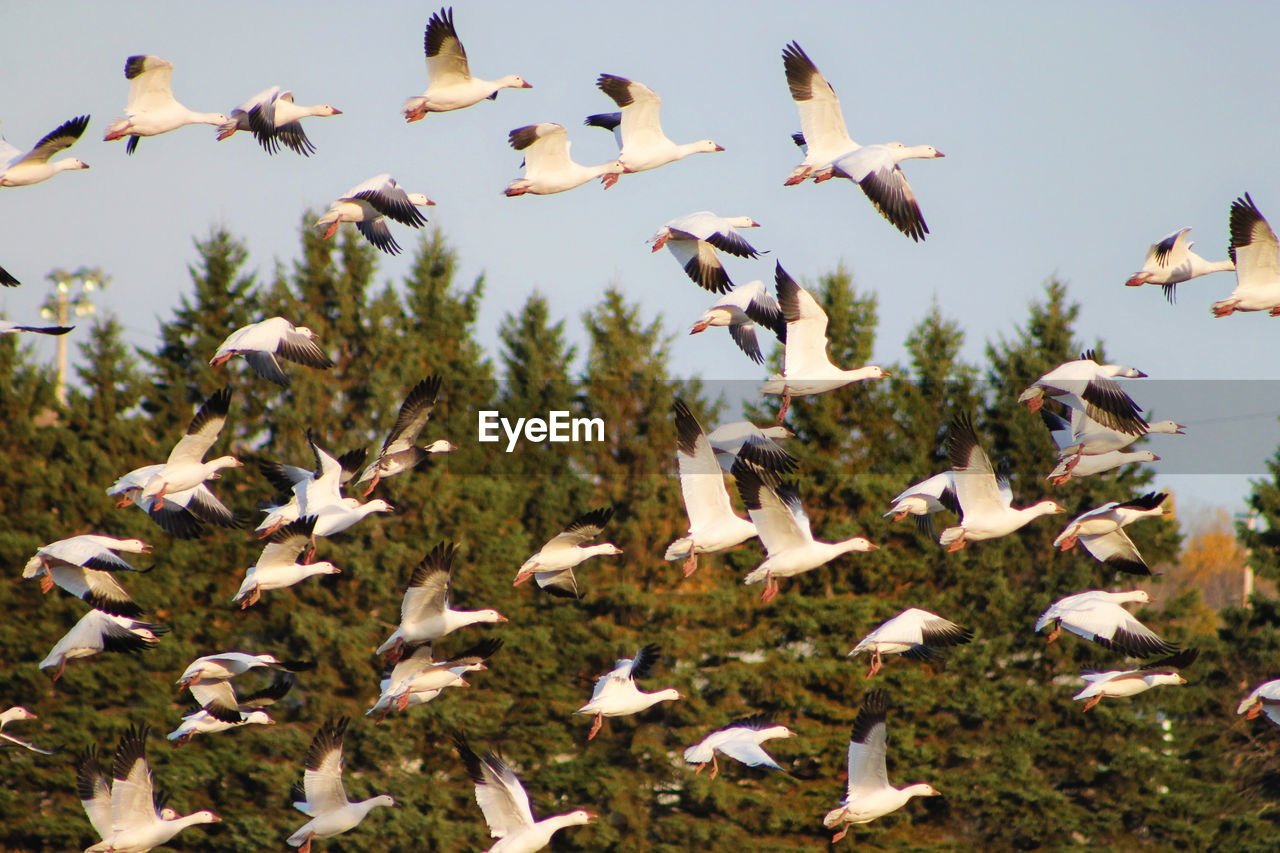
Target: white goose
616	694
505	804
180	514
984	512
875	168
450	85
1076	468
185	468
742	741
369	205
552	567
82	565
742	309
784	530
639	132
400	451
822	129
1097	615
294	484
1088	385
1170	262
1256	253
18	714
19	169
425	612
1131	682
225	665
548	169
152	109
1265	699
1101	532
935	494
98	632
729	440
713	525
322	497
222	708
123	807
203	723
693	240
419	677
1084	436
273	118
324	799
806	367
278	566
868	794
913	633
261	342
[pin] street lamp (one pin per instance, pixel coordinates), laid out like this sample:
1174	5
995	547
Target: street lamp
70	296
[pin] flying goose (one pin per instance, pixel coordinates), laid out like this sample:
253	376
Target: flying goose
1083	436
225	665
1170	262
913	633
1101	532
294	484
323	798
693	240
400	451
185	468
505	804
274	119
180	514
222	708
643	144
759	444
260	343
369	205
18	714
278	566
450	85
548	169
822	128
1097	615
806	367
1090	386
1121	683
713	525
742	741
152	109
125	809
868	794
419	677
742	309
616	694
101	632
83	566
783	527
1256	253
1076	468
552	567
425	612
1265	699
18	169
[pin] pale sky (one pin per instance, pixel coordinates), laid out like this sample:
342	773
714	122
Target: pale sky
1076	134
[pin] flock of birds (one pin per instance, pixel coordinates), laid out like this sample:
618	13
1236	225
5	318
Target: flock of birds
1093	422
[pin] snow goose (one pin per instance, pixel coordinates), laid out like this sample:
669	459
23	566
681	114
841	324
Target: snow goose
321	496
616	694
984	511
1170	262
1076	468
868	794
742	309
278	566
450	85
260	343
1097	615
185	468
760	444
98	632
293	484
741	741
822	128
152	109
1101	532
324	799
425	612
274	118
1265	699
935	494
124	807
806	367
713	525
914	633
181	514
400	452
83	566
14	715
369	205
548	169
875	168
552	567
221	708
225	665
693	240
1256	253
1131	682
1084	436
10	328
19	170
505	804
418	678
1087	385
783	526
643	144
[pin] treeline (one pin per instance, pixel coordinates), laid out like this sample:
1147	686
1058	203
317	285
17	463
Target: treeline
992	726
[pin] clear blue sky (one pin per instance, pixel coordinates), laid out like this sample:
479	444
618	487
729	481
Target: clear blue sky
1075	135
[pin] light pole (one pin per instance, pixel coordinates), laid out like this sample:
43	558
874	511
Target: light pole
70	295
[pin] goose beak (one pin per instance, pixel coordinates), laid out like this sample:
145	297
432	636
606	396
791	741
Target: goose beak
719	148
939	154
337	111
526	85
